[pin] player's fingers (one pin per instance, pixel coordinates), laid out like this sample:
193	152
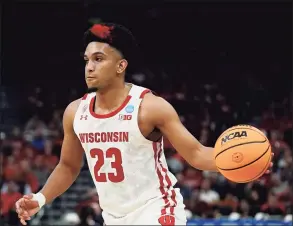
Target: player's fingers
22	214
21	202
24	217
17	204
19	210
269	169
30	196
22	221
23	207
22	211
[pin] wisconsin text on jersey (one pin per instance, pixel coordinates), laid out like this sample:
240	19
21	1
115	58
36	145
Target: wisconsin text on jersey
104	137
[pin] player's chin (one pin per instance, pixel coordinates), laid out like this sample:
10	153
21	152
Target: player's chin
91	89
92	84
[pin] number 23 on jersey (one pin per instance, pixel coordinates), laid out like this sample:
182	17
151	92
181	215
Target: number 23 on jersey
115	155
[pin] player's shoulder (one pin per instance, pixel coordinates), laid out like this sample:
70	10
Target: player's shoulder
157	107
151	100
72	108
154	102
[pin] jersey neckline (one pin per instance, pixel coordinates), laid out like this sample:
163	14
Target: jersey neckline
110	114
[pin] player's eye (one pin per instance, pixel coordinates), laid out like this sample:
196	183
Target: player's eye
99	59
86	61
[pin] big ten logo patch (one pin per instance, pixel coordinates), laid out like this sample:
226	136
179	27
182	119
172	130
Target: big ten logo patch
125	117
167	220
231	136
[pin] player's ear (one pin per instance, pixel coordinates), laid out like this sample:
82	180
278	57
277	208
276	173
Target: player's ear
121	66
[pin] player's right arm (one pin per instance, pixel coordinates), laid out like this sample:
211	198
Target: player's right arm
71	158
65	172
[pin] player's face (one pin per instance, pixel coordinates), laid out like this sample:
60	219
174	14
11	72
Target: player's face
103	65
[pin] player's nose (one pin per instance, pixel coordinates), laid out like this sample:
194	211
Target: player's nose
90	67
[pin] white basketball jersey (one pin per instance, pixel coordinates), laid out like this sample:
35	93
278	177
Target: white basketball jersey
128	170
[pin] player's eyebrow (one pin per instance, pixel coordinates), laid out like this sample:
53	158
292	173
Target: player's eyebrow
95	53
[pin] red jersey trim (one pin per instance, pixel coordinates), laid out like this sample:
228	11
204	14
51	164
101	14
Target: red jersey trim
111	114
162	179
84	97
144	93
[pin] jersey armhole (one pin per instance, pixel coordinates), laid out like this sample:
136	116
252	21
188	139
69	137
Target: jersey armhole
144	93
155	129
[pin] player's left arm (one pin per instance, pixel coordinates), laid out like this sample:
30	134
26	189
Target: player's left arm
165	118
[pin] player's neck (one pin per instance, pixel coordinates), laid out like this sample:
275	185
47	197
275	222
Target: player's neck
113	96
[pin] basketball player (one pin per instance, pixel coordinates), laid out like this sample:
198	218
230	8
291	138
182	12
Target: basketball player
120	126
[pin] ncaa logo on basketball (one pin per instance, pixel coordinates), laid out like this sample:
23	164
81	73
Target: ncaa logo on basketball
125	117
232	136
129	109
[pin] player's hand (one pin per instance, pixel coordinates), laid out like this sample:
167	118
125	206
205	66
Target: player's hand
26	207
269	170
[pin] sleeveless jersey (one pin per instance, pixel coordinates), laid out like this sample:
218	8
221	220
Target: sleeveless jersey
127	169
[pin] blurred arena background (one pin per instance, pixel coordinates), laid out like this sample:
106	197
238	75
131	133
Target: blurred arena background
218	64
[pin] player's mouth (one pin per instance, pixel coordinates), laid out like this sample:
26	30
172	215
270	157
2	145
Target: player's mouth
89	78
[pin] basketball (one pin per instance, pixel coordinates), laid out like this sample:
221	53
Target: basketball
242	153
